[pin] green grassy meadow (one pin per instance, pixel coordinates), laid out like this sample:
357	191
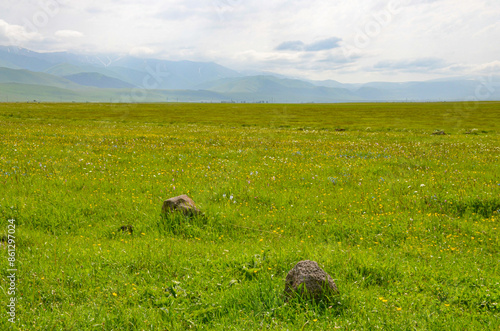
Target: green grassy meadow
405	222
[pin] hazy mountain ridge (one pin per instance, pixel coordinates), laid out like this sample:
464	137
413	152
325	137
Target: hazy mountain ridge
145	73
119	79
272	89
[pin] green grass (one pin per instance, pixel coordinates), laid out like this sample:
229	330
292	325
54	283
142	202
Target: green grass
457	117
405	222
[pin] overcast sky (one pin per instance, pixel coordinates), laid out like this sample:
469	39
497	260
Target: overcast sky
348	41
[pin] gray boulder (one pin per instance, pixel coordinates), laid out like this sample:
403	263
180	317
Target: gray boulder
182	204
308	280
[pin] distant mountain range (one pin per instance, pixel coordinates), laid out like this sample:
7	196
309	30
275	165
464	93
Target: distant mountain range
60	76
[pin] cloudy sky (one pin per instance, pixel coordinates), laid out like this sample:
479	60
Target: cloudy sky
348	41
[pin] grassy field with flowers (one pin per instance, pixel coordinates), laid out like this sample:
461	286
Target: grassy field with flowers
406	222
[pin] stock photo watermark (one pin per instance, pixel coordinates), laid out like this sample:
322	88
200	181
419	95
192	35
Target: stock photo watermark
47	10
222	7
12	270
30	29
372	28
151	81
484	91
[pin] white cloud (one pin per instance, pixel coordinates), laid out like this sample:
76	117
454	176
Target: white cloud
320	39
16	34
488	68
68	34
142	51
412	65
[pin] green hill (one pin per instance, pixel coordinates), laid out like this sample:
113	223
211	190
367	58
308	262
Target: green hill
97	80
15	92
34	78
130	76
64	69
